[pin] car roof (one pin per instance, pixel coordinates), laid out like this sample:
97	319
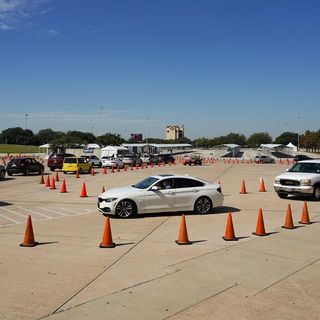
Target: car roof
310	161
163	176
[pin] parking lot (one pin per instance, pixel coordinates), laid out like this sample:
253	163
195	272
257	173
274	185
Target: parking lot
147	275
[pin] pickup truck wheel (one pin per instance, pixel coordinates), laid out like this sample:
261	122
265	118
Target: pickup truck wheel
283	195
316	193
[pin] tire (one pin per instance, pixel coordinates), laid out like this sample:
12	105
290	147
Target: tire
100	165
52	168
283	195
126	209
316	192
64	172
10	174
41	171
26	172
203	205
2	174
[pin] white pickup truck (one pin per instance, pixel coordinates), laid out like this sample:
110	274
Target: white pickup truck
302	179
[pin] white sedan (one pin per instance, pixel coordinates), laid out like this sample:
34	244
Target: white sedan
162	193
112	162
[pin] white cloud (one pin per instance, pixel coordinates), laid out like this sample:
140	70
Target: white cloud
19	15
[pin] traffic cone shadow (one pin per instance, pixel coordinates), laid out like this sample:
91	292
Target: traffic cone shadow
183	233
305	215
29	236
289	221
107	236
229	234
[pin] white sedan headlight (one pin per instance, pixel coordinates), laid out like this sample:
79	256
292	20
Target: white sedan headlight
110	199
305	182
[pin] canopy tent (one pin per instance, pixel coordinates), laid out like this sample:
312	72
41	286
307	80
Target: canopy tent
292	146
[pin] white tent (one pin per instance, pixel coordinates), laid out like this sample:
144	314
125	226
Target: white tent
47	147
292	146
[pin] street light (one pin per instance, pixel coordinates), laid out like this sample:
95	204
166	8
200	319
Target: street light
298	146
27	115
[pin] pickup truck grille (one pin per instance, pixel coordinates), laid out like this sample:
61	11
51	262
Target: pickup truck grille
286	182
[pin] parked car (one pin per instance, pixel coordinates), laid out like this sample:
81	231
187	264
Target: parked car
302	179
166	158
194	159
300	157
93	160
25	166
263	159
112	162
55	160
154	158
74	164
2	172
145	158
131	159
161	193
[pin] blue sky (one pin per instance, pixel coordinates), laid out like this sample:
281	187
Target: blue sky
214	66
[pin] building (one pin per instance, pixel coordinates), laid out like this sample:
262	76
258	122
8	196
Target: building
174	132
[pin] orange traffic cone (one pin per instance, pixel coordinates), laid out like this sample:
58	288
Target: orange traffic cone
107	236
262	186
103	189
53	184
92	171
289	221
131	167
137	167
41	180
260	230
305	214
77	174
220	186
28	236
104	170
183	233
83	191
118	168
112	169
229	234
48	181
57	176
243	188
125	168
63	186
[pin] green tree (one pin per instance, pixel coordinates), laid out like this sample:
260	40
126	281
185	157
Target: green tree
16	135
110	139
287	137
256	139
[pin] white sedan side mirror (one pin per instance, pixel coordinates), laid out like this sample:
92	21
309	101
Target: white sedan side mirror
154	188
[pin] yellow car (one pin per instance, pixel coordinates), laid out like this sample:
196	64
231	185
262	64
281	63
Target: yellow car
73	164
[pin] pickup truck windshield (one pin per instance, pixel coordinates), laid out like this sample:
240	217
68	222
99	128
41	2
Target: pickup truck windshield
306	167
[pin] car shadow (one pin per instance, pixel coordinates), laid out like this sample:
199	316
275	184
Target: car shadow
301	198
218	210
4	204
8	179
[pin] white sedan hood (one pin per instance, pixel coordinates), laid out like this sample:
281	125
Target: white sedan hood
120	192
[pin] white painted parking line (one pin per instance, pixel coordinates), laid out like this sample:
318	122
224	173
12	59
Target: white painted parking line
34	212
54	211
42	212
5	217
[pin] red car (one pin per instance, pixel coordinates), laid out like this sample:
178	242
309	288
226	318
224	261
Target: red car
55	160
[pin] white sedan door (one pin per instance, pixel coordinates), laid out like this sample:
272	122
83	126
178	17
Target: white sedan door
159	200
185	193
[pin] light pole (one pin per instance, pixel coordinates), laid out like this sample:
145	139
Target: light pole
101	118
298	146
27	115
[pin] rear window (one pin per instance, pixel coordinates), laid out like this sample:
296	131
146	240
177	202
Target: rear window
70	160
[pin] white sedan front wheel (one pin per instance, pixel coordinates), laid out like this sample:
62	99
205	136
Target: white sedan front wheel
203	205
125	209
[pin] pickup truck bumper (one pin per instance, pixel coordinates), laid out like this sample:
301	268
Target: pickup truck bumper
307	190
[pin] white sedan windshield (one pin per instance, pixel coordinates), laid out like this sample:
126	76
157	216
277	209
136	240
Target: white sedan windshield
146	183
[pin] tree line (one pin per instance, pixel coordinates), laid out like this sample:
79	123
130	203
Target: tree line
309	140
